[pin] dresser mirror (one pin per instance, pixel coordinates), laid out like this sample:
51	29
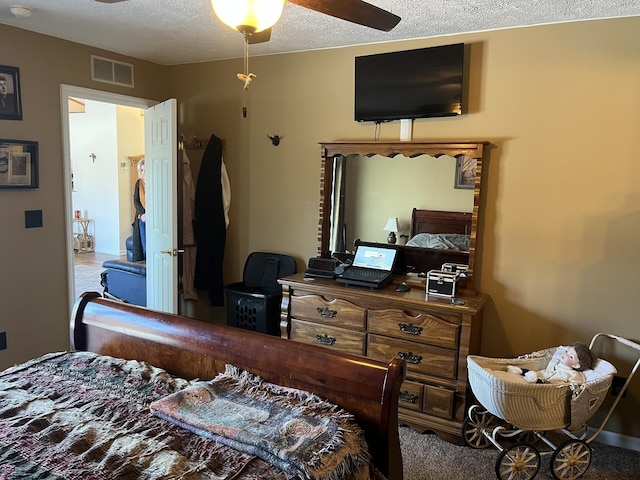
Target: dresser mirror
421	183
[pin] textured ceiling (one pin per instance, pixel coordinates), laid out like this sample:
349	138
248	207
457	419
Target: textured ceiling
186	31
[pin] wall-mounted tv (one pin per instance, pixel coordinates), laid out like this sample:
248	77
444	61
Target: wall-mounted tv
421	83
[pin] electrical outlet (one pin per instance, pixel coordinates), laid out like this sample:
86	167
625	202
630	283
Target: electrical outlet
3	340
616	386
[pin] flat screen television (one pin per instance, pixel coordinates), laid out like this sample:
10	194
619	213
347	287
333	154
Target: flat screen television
421	83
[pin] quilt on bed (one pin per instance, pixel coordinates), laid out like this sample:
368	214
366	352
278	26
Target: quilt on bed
77	415
449	241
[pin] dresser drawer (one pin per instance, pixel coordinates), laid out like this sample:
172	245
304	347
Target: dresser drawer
438	401
420	357
338	312
422	327
332	337
411	395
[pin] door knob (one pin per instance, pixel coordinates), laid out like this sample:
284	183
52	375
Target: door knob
172	251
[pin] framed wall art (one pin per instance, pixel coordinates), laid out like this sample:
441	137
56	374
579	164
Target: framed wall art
465	171
18	164
10	98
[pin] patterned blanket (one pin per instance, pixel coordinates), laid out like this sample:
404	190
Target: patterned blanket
82	416
301	433
447	241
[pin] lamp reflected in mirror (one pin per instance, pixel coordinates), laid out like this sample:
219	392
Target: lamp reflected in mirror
391	227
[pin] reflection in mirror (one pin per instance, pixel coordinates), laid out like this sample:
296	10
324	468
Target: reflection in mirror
363	184
369	190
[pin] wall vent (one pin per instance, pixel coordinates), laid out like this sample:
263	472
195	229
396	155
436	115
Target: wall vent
111	71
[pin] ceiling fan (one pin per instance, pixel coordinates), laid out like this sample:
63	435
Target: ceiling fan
245	17
254	19
354	11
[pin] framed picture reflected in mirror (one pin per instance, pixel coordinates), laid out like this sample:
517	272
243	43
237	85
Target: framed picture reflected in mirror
465	171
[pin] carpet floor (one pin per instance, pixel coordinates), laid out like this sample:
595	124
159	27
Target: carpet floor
427	457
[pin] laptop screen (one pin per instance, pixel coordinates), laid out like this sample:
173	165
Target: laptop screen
379	258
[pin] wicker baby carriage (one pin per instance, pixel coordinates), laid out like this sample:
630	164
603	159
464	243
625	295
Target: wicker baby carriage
531	409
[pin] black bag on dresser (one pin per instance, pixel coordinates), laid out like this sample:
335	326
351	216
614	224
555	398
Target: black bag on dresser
322	268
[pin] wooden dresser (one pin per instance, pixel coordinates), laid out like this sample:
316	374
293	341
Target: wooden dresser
433	336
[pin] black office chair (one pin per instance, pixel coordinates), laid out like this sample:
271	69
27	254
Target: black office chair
254	303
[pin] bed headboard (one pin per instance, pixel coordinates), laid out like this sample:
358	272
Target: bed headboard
190	348
434	221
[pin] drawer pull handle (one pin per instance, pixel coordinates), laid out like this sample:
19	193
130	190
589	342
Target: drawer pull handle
408	397
410	329
324	339
326	312
410	357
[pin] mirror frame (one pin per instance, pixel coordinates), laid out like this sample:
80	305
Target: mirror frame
390	149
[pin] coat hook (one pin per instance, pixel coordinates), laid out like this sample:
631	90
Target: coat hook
275	139
92	156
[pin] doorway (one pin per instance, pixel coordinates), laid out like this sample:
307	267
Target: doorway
71	92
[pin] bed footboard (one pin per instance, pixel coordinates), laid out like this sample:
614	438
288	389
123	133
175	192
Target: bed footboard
190	348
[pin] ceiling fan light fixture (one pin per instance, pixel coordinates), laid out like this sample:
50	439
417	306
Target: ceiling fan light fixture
248	16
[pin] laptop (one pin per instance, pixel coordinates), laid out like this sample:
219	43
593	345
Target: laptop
399	264
372	267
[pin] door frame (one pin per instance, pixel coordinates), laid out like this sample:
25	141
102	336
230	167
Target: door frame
67	91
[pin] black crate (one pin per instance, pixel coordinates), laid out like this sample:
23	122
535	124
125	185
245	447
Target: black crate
258	312
254	303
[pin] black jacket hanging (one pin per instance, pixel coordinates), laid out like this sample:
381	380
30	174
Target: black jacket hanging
209	224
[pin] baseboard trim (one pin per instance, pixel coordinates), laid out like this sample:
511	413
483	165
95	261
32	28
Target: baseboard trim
615	439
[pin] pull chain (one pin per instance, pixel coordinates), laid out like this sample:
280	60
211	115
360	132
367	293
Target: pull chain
246	77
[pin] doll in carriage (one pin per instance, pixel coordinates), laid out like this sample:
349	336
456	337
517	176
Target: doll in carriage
522	399
566	365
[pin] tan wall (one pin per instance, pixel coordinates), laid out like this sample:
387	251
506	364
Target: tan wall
33	279
559	103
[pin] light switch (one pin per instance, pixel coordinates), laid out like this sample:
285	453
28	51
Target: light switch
32	218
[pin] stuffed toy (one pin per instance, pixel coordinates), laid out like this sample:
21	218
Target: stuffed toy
566	365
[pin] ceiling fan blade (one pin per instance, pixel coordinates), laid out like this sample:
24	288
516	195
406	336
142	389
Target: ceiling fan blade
355	11
110	1
260	37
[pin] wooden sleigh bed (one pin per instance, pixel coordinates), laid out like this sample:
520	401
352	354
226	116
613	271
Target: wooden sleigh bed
192	349
423	259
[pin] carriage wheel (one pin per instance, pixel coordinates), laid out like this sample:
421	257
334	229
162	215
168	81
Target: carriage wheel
474	424
570	460
520	462
527	436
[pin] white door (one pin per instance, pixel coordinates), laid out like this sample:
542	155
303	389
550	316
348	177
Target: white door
161	171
